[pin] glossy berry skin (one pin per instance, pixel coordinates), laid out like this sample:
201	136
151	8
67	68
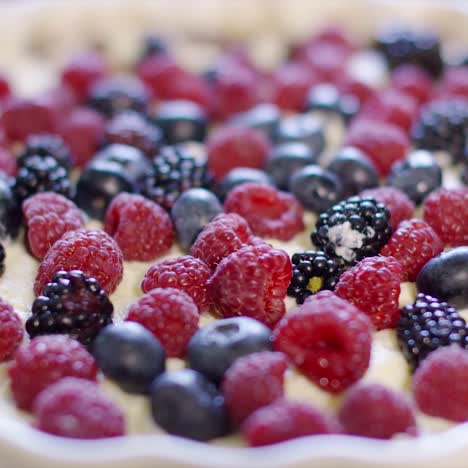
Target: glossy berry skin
316	188
153	44
216	346
446	277
355	171
418	175
8	163
412	80
264	117
11	331
46	145
240	175
10	213
285	159
130	355
192	211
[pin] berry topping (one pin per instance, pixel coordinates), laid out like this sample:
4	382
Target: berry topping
8	163
238	176
70	304
11	331
187	273
45	360
252	282
269	212
76	408
353	229
413	244
253	381
264	117
10	213
142	228
372	410
412	80
328	339
46	145
93	252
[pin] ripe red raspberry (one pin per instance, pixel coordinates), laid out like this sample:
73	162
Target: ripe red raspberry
5	90
11	331
83	132
61	98
455	82
412	80
269	212
342	337
440	385
349	85
187	273
327	60
95	253
392	106
190	87
77	408
397	202
231	147
383	142
48	216
141	227
372	410
223	235
45	360
413	244
253	381
7	162
285	420
444	210
82	71
170	315
252	282
373	286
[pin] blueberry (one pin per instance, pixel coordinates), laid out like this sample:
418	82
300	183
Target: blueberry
130	355
10	213
446	277
153	44
285	159
117	168
355	171
216	346
317	189
181	121
417	176
239	175
184	403
264	117
191	212
302	128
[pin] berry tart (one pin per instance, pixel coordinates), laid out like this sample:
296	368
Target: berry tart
240	226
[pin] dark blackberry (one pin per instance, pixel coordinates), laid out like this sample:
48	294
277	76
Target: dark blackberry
46	145
41	174
443	125
71	304
2	259
427	325
175	170
313	271
418	47
353	229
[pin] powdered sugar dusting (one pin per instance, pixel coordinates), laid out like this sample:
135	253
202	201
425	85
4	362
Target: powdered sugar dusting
346	239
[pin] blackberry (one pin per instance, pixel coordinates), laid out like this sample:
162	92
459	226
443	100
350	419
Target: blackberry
313	271
41	174
71	304
2	259
443	125
427	325
175	170
46	145
353	229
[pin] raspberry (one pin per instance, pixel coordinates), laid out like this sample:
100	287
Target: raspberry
327	60
443	210
95	253
328	339
253	282
383	142
372	410
455	82
269	212
413	244
373	286
231	147
414	81
189	274
348	85
5	90
170	315
440	385
225	234
189	87
48	216
7	162
142	228
83	131
11	331
45	360
253	381
397	202
77	408
285	420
